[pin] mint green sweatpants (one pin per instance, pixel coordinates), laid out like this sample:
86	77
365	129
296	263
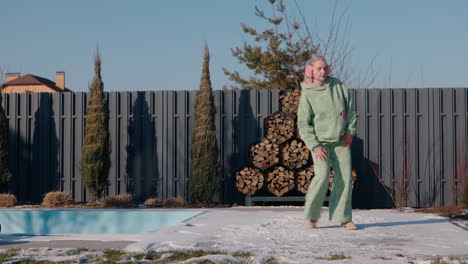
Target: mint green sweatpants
338	157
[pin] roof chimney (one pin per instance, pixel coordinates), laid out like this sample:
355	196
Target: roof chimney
12	76
60	80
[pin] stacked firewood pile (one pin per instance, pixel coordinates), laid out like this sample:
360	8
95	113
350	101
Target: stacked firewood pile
304	177
249	180
280	180
294	153
279	127
281	161
264	154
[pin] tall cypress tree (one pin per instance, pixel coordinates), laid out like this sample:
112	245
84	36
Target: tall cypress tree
5	174
205	166
95	157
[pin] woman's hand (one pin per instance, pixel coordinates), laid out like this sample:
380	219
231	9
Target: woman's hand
321	153
348	139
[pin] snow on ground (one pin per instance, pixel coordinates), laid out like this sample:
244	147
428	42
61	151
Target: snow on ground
384	236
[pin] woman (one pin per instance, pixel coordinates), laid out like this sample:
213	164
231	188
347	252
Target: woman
327	124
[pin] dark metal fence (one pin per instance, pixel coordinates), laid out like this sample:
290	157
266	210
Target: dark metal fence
418	133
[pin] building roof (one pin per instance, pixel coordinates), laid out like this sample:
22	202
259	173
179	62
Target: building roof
30	79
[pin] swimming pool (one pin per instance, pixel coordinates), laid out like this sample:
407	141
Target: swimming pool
90	221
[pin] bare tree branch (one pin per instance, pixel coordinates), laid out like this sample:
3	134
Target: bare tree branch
304	22
422	75
388	82
364	79
408	79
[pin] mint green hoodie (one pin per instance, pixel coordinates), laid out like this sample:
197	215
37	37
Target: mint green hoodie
325	113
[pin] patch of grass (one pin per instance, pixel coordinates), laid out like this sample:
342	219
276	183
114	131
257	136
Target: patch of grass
271	261
437	260
383	258
89	256
112	256
205	261
335	257
77	251
185	255
452	259
241	254
31	261
177	256
148	256
81	250
8	254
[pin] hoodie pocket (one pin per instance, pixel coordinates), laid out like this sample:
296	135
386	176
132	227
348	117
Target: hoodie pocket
330	127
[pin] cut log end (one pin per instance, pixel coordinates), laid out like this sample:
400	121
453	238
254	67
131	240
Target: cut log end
280	181
278	128
249	180
264	154
304	178
289	101
295	154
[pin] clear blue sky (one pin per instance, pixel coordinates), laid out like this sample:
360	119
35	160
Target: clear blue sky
157	45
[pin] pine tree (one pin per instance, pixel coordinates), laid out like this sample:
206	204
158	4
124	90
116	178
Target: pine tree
277	58
5	174
95	161
204	166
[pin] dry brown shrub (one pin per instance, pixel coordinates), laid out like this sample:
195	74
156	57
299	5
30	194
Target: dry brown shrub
465	197
89	205
208	205
118	201
57	199
400	190
7	200
152	202
445	211
459	181
175	202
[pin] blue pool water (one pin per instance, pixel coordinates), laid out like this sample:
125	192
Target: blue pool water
89	221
